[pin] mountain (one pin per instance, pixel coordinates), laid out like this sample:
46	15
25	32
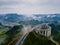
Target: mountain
48	17
35	18
12	17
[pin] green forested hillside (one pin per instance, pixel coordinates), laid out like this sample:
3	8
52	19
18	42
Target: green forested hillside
12	34
36	39
57	37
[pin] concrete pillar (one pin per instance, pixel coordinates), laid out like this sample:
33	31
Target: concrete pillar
42	32
45	33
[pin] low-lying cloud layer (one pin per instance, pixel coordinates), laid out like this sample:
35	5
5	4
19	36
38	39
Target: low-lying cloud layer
29	6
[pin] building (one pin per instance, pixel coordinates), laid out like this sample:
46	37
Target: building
44	29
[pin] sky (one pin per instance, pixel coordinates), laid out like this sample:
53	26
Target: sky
30	6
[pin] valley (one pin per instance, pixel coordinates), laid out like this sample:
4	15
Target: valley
18	29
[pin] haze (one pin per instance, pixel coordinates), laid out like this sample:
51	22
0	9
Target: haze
30	6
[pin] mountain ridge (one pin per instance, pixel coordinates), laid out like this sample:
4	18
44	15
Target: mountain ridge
15	18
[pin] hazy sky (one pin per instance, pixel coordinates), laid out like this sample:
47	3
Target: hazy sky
30	6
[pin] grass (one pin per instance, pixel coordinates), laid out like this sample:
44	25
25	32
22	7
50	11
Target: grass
2	32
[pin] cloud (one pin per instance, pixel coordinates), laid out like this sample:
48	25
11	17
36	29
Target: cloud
8	2
29	6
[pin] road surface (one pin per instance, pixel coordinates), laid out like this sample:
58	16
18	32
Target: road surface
21	40
54	41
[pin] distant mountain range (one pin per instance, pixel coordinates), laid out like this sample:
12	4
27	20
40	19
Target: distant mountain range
35	18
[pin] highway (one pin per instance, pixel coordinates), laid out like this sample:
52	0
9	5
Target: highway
21	40
54	41
26	32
